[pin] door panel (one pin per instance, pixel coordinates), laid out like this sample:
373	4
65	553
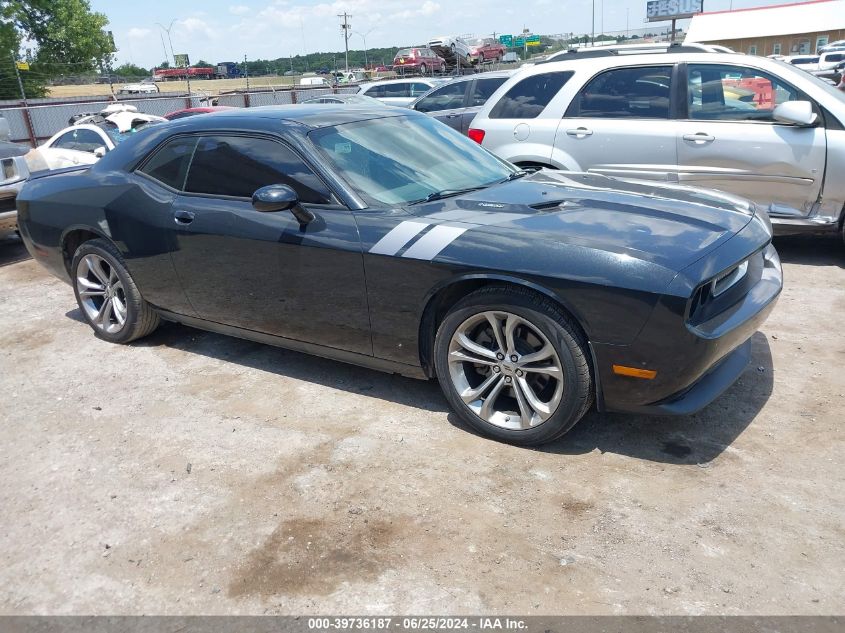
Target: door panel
732	143
263	272
618	125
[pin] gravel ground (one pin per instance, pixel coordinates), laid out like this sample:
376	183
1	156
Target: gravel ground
194	473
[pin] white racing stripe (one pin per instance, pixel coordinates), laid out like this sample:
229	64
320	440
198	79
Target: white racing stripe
441	235
401	234
430	244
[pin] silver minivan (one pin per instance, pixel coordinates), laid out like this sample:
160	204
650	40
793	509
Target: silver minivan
750	126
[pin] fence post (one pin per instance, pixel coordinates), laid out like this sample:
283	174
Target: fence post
28	120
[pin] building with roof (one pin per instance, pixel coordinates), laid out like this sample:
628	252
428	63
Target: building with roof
798	28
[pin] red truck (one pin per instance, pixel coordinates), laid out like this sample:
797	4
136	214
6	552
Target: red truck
173	74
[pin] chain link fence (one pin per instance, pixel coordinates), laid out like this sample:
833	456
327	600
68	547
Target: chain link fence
39	119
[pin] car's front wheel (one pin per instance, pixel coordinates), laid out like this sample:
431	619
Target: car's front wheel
422	69
107	295
513	365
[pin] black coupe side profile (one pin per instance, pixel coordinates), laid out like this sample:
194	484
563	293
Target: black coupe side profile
382	237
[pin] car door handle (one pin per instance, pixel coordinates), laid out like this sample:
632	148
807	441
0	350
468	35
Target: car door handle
699	137
579	132
183	217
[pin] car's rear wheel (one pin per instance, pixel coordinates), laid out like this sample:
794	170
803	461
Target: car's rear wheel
513	365
422	69
107	295
442	69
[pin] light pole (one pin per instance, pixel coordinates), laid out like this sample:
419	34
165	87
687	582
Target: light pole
364	37
593	38
167	30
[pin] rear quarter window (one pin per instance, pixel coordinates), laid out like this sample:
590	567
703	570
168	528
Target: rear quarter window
527	98
169	163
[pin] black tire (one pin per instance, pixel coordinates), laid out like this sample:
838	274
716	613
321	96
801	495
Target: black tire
560	330
140	319
423	69
442	69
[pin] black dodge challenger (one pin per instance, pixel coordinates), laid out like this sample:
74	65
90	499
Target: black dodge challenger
384	238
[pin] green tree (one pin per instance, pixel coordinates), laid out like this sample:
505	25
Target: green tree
67	38
130	70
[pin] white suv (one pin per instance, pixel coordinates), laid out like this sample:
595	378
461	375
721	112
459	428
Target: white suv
750	126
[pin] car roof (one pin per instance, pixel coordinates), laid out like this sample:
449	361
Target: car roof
406	80
311	115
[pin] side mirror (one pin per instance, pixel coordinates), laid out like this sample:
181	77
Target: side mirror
280	198
795	113
100	151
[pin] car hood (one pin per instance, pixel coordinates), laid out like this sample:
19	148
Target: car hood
668	225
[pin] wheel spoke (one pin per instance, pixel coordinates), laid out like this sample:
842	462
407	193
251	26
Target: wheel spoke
510	326
463	356
549	370
88	288
496	325
473	394
471	346
119	311
541	408
95	266
487	409
547	351
526	413
104	315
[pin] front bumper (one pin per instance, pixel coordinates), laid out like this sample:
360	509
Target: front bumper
694	363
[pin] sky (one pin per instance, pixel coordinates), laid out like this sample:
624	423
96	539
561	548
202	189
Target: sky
226	30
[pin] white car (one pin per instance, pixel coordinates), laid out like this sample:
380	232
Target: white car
804	62
90	137
400	92
831	59
451	46
750	126
139	88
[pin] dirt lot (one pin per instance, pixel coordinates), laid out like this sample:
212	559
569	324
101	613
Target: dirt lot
192	473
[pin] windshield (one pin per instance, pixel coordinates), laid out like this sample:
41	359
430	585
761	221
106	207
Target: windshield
405	159
116	135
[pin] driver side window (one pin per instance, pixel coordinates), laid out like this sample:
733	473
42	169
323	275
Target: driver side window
237	166
734	93
446	98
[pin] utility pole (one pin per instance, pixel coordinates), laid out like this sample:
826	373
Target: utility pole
163	47
593	38
346	34
246	73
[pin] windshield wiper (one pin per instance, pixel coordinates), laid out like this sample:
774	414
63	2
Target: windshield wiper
514	176
446	193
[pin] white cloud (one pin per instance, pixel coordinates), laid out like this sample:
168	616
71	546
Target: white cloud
239	9
137	33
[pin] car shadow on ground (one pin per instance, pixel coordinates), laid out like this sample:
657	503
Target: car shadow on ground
811	250
12	251
682	440
276	360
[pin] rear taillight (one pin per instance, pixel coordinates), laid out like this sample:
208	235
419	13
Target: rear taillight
476	135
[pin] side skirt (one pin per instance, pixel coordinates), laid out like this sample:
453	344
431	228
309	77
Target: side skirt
371	362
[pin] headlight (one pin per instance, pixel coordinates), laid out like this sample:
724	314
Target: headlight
728	279
10	170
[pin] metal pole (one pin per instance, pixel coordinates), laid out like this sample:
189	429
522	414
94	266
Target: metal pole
593	38
672	37
345	27
246	73
163	47
20	81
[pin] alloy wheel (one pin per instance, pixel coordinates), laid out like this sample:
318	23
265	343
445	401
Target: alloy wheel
505	370
101	293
